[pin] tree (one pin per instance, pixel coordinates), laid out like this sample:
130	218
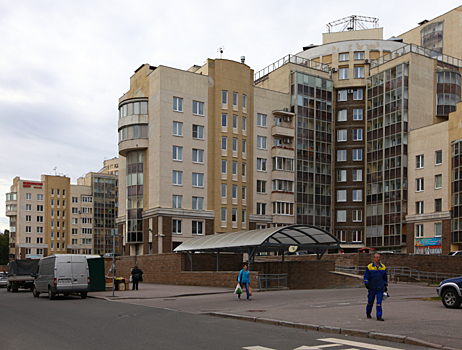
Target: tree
4	247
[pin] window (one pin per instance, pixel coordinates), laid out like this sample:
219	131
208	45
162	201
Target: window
234	170
261	120
341	135
357	195
27	239
64	193
277	142
342	95
344	57
261	142
224	143
74	211
234	121
198	203
419	207
39	207
244	101
28	196
40	197
224	164
357	134
223	214
234	192
419	161
176	227
235	98
224	120
244	193
244	123
197	227
438	157
359	55
281	185
198	132
341	215
244	143
359	72
342	115
283	208
52	245
341	155
39	240
224	189
343	73
438	181
177	177
438	229
357	174
177	153
358	94
357	114
177	129
438	205
28	229
28	207
357	154
39	218
234	144
341	235
357	215
75	221
197	180
243	216
198	108
234	215
52	223
198	156
261	164
357	236
177	201
28	218
261	186
261	208
74	232
419	184
177	104
341	175
341	195
224	97
57	191
419	231
75	199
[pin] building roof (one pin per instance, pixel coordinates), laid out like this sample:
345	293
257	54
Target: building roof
304	237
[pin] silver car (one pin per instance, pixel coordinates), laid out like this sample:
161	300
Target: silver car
3	279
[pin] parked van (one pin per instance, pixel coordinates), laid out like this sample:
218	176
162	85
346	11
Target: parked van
62	274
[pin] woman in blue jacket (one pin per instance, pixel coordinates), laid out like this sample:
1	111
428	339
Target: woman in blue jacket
244	280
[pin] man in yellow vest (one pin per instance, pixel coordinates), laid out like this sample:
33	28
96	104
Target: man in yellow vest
376	281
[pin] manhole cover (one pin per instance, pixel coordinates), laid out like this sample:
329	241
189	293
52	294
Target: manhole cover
256	310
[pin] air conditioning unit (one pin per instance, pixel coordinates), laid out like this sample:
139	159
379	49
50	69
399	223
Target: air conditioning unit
334	70
285	109
80	212
286	140
350	91
366	61
286	118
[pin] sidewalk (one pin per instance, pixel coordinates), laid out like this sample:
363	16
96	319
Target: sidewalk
410	315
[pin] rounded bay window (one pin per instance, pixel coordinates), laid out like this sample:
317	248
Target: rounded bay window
447	92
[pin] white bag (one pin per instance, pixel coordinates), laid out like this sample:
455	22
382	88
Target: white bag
238	289
131	278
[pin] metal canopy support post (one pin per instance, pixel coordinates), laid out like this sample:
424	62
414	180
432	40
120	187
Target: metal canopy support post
190	256
319	254
282	255
251	253
218	260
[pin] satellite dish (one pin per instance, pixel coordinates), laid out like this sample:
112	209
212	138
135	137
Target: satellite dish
293	248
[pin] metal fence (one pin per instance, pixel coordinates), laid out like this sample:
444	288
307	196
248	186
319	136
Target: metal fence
271	281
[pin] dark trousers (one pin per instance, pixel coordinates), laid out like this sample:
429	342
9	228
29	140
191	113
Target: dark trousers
246	285
370	301
135	284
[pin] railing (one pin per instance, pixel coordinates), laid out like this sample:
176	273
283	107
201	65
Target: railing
418	50
271	281
290	59
400	271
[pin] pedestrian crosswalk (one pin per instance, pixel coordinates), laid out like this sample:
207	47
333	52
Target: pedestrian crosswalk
332	344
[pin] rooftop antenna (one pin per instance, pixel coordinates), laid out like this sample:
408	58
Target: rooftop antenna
353	23
220	50
55	170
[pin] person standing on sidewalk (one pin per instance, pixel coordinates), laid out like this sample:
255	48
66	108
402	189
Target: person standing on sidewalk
244	280
137	277
376	281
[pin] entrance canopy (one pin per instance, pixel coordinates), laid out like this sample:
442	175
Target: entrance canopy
275	239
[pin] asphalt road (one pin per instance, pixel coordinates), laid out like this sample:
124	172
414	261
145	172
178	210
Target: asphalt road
75	323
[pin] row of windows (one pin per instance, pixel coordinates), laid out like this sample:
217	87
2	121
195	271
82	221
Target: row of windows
224	191
39	240
197	227
357	115
85	210
52	234
224	121
29	196
224	167
419	160
342	135
197	130
356	215
342	155
29	218
419	183
29	229
52	191
39	251
133	108
278	185
224	214
358	72
357	236
357	195
343	94
357	175
197	202
279	208
419	230
197	179
345	56
419	206
224	144
75	221
224	99
52	223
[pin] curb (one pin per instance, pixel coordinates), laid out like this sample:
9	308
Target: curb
336	330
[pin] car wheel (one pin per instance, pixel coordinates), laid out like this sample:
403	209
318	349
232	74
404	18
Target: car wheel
51	294
450	298
83	295
35	293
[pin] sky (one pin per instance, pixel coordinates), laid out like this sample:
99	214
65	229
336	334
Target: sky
64	64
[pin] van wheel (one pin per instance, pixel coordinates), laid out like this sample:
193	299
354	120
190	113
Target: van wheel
14	288
51	294
34	292
8	287
83	295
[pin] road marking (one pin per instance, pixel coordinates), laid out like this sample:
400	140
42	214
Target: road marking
318	305
358	344
257	348
343	304
316	347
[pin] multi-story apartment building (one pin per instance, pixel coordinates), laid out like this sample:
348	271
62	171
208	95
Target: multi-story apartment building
328	137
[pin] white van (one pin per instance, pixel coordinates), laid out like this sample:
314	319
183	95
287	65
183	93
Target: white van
62	274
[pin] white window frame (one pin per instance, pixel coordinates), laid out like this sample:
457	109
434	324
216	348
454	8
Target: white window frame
357	175
177	104
357	215
197	226
197	180
341	195
357	134
234	144
359	55
359	72
419	207
177	201
344	56
357	236
177	129
224	190
261	120
261	164
358	114
358	95
438	227
341	175
198	132
419	161
341	155
198	108
440	185
342	95
224	120
341	215
198	156
261	142
357	195
419	184
223	214
177	178
197	203
440	152
261	186
224	143
419	230
342	135
261	208
343	73
224	97
341	234
177	153
224	166
235	98
234	167
177	228
357	154
342	115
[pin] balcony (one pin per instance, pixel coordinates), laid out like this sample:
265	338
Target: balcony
283	131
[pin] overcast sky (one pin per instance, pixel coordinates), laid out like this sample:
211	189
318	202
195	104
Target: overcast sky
64	64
